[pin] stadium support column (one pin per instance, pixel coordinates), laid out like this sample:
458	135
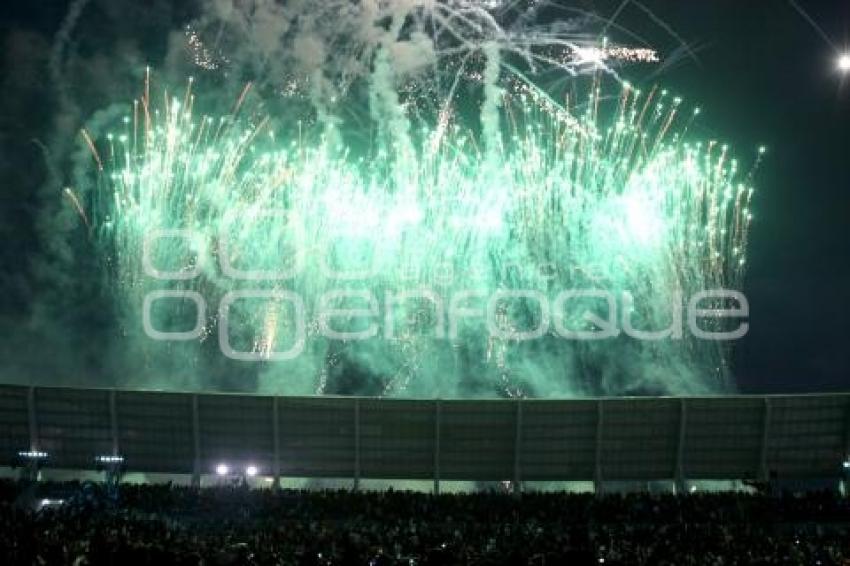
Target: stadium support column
113	421
764	473
32	464
518	450
276	441
356	444
196	438
679	478
845	470
112	470
437	419
597	468
32	419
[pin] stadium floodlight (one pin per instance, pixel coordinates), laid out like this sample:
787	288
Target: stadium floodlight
107	459
251	471
222	469
33	455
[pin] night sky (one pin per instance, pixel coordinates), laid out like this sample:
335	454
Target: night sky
760	72
765	76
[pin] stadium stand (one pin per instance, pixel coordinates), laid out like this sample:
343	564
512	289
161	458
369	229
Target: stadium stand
166	524
802	437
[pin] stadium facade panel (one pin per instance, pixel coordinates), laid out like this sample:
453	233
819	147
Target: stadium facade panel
617	439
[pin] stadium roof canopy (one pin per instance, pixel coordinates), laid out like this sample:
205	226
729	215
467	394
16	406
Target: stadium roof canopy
632	439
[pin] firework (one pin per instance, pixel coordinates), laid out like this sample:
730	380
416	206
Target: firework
562	202
354	258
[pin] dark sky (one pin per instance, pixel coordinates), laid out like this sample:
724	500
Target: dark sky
762	75
766	76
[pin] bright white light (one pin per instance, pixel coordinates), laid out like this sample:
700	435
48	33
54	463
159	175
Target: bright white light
109	459
493	4
844	63
33	455
590	55
251	471
222	469
846	464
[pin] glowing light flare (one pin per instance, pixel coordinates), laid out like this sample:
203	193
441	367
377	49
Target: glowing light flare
644	220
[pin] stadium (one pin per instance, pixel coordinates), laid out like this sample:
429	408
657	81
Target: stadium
515	462
424	282
534	442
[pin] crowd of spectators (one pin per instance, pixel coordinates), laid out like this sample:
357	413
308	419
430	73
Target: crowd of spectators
169	524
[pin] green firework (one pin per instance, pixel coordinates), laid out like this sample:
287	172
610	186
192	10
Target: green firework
543	196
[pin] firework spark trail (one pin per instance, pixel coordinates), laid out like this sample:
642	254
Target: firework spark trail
417	33
90	143
75	202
